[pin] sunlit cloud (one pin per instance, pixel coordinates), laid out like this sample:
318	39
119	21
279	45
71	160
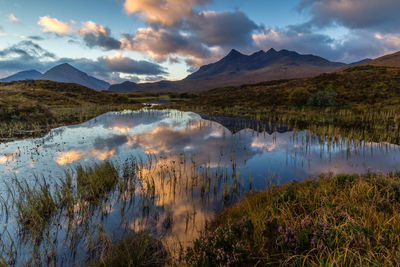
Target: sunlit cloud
13	18
165	12
50	24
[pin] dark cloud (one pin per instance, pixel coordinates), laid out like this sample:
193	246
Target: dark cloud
119	63
154	78
381	15
95	35
226	29
35	38
100	40
28	55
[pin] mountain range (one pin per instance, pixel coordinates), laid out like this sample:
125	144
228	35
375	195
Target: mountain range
64	73
237	68
232	70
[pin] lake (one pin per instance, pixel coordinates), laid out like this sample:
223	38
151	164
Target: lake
195	164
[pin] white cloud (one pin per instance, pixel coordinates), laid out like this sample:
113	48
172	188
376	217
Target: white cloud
13	18
50	24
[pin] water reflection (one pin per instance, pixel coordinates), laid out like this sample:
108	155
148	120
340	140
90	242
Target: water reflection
192	165
260	147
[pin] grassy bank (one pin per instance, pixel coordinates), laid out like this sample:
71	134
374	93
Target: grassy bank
333	221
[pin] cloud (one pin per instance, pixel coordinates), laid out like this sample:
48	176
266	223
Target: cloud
32	37
97	35
154	78
229	29
202	38
382	15
29	55
25	50
164	12
13	18
291	39
54	25
119	63
356	45
1	31
93	34
162	43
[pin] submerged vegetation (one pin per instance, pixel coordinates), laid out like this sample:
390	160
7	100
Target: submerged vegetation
338	220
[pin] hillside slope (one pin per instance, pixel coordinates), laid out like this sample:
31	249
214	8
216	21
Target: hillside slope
361	85
392	60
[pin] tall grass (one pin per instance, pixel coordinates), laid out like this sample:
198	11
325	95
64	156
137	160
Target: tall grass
137	249
35	205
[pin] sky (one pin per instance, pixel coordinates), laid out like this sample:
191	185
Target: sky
152	40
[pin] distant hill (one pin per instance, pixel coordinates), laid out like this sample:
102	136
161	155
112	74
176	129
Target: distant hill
360	62
237	68
392	60
62	73
67	74
23	75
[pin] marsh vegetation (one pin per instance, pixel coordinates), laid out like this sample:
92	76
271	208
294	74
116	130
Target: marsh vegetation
145	184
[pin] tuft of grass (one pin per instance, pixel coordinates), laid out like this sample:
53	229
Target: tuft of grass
35	205
138	249
333	221
96	182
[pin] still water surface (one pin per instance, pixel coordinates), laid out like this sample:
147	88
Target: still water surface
236	155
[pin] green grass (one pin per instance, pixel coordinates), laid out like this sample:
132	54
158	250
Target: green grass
138	249
94	183
35	205
332	221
